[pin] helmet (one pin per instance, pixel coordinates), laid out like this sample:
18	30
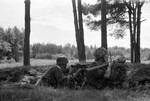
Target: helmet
100	53
62	60
120	59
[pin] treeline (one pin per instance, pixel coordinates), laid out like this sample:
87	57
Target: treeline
11	43
145	52
51	51
12	40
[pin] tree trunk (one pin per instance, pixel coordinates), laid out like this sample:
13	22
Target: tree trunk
79	30
76	25
138	32
131	33
15	51
136	26
104	24
81	51
27	34
134	35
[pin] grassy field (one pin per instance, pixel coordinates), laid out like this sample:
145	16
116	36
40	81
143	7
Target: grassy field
34	62
33	93
43	62
49	94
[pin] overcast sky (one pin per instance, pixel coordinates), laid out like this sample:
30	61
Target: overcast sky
52	22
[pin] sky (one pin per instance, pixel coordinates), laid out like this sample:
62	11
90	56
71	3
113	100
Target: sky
52	22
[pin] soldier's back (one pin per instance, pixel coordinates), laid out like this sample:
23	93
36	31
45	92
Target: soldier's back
95	78
118	73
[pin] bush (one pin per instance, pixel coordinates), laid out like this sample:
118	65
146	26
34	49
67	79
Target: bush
43	56
148	58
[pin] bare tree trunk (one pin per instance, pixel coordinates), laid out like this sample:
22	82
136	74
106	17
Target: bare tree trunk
131	33
81	52
138	31
135	6
134	34
104	24
16	53
27	34
76	25
130	9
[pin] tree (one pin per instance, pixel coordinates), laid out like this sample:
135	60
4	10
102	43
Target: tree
78	23
130	28
5	48
27	34
17	43
104	24
116	14
112	13
139	6
134	12
14	37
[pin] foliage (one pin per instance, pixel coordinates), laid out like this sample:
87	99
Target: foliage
4	48
45	48
43	56
48	51
11	40
42	51
116	15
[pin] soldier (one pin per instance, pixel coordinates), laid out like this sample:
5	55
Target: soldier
56	76
91	75
118	72
95	77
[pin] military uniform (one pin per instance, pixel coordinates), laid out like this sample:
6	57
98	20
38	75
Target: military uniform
118	72
56	76
95	78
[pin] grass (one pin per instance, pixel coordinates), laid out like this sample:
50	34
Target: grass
12	93
34	62
50	94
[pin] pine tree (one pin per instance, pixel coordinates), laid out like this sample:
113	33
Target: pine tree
27	34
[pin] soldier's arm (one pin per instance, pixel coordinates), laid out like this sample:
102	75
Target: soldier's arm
40	81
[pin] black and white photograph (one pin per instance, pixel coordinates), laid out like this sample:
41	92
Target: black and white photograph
74	50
